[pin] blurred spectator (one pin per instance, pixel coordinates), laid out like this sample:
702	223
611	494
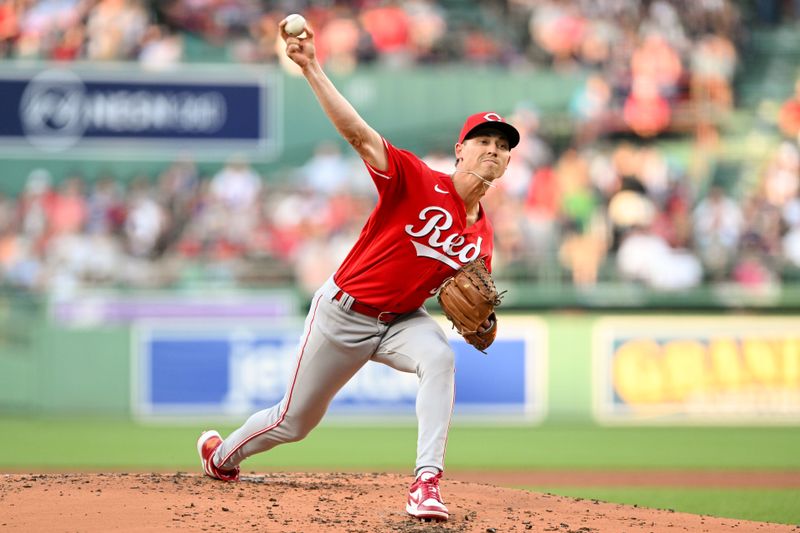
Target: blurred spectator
234	192
105	210
538	151
390	28
73	258
236	185
160	49
479	46
590	108
791	239
782	175
762	226
662	18
327	172
338	42
115	29
510	241
263	31
577	200
542	211
10	12
70	45
630	208
673	222
145	222
752	270
718	225
178	192
789	114
427	28
598	39
646	257
36	207
713	64
657	61
21	262
558	28
68	212
645	111
583	252
10	239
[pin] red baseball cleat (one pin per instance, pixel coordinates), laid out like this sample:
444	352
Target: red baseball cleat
207	444
424	500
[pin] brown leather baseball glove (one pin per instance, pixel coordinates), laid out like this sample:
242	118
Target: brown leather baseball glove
468	299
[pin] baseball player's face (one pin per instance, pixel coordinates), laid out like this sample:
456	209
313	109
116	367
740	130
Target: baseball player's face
486	153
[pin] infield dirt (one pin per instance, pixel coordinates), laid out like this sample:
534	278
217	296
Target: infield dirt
290	502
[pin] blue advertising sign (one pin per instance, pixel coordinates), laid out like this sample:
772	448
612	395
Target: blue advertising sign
57	109
235	370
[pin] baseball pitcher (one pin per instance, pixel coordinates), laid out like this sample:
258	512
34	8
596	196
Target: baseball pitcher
428	231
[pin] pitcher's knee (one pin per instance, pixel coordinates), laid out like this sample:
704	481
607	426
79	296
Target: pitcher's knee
296	430
439	361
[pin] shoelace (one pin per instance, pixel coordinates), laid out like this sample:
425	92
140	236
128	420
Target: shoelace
430	489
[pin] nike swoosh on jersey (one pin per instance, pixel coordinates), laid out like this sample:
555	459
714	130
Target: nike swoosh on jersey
437	189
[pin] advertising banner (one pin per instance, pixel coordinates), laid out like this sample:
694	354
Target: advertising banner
697	369
233	369
83	111
102	308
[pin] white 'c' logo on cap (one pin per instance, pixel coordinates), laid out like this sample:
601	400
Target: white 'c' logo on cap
494	117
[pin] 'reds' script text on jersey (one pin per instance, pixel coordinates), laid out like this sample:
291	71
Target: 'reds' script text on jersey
414	239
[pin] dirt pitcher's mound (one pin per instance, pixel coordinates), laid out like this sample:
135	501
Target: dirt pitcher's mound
283	502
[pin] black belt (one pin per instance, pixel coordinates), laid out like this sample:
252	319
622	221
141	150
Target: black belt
372	312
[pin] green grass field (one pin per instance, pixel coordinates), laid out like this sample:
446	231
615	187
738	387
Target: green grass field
764	505
91	444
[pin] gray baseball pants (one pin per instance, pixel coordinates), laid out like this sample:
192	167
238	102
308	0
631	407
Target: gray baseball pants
335	344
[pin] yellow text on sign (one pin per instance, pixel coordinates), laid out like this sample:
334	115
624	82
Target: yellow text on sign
646	371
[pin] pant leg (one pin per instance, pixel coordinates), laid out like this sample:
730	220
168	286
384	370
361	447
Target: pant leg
417	344
335	345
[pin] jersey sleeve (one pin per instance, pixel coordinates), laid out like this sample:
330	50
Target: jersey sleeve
403	168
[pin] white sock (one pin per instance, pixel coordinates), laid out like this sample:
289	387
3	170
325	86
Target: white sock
427	472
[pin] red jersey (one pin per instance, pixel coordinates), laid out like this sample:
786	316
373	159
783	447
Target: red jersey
414	239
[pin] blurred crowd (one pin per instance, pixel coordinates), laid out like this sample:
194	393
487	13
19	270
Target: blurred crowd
351	32
609	212
170	230
629	211
654	66
601	209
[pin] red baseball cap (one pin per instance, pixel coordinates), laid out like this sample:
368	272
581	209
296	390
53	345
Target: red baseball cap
489	118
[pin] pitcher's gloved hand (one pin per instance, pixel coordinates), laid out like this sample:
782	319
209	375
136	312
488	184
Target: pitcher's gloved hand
468	299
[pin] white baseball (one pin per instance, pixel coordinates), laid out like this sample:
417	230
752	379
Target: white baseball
295	24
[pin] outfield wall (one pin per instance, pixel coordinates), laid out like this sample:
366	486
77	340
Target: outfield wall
558	367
